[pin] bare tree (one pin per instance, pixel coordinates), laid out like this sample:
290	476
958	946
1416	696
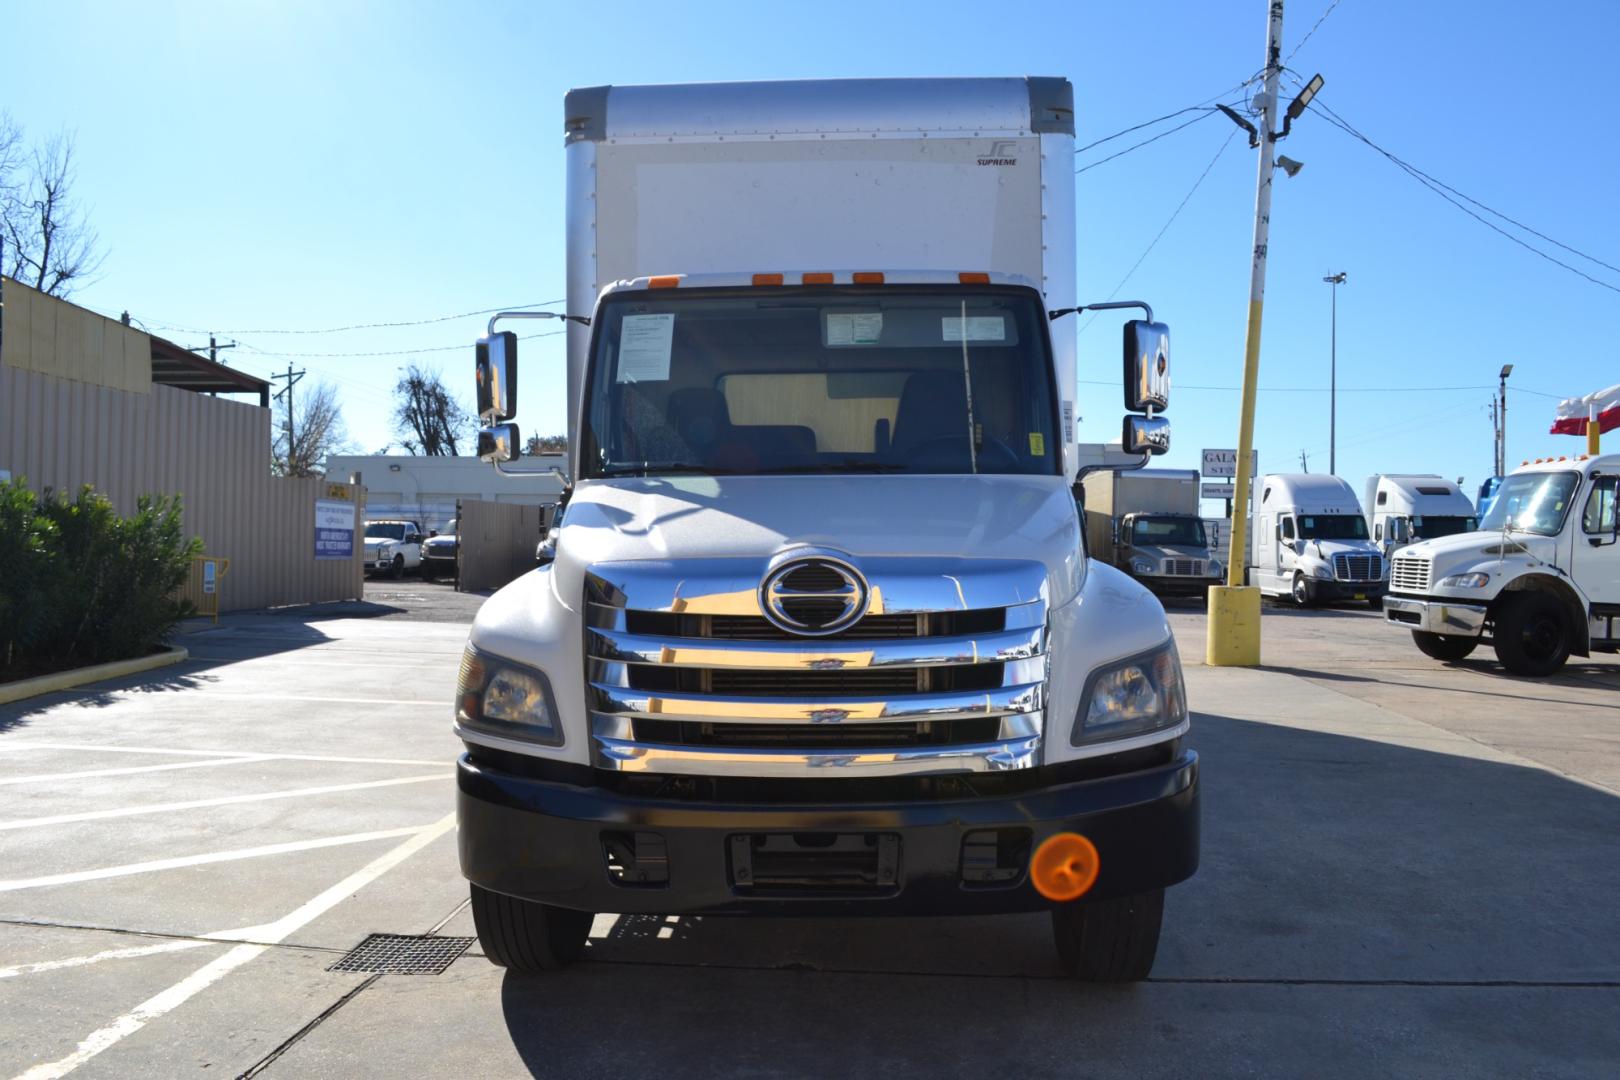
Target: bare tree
432	422
317	431
48	243
546	444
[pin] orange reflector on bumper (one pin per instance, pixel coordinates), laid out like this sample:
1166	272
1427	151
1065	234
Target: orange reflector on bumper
1064	867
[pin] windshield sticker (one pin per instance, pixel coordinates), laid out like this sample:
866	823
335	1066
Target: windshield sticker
644	346
974	328
859	328
1037	444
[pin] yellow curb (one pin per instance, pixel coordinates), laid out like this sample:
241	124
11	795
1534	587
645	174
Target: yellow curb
66	680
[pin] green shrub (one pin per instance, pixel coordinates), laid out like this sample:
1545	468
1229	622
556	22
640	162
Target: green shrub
84	585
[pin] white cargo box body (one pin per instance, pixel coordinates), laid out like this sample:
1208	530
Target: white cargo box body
890	175
1144	491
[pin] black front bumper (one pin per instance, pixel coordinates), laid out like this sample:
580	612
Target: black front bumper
1323	591
548	839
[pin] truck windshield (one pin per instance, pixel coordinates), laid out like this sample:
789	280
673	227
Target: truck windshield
385	530
1332	527
1427	528
903	379
1176	532
1532	502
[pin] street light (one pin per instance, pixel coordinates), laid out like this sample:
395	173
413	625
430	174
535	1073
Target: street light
1334	280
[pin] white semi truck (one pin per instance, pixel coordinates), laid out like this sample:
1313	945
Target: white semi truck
1145	522
1311	543
1540	578
1403	508
815	631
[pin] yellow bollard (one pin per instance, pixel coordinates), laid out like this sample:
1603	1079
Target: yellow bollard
1232	636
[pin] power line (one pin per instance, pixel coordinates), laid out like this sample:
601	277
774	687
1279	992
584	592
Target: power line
1170	115
1312	30
1203	115
1168	222
1321	389
387	352
363	326
1445	191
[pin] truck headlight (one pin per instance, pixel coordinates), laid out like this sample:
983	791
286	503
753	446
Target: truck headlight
1142	566
1322	572
1214	568
503	698
1465	581
1133	697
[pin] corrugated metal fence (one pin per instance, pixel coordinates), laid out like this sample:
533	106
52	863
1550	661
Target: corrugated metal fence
495	542
215	453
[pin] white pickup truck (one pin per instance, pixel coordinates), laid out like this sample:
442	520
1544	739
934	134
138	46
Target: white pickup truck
1540	578
393	546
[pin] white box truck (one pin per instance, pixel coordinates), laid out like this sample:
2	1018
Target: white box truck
1145	522
1403	508
1540	579
1311	543
815	631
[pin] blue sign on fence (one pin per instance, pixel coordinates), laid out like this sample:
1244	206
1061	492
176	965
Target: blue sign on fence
334	529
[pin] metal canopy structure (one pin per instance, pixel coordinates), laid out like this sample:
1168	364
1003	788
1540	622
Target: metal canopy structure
185	370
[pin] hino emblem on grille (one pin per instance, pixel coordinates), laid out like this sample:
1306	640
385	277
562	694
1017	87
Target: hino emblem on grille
813	595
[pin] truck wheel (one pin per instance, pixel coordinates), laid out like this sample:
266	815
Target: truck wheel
1109	940
1531	635
1302	591
521	935
397	571
1448	647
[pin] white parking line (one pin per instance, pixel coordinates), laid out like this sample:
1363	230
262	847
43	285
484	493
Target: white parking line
216	695
226	800
126	771
111	954
16	747
210	973
176	863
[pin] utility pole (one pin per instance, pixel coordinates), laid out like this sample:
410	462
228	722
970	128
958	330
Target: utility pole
1501	419
214	347
292	378
1304	462
1496	440
1334	280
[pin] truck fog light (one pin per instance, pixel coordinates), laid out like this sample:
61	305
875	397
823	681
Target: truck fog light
1064	867
1465	581
1134	697
503	698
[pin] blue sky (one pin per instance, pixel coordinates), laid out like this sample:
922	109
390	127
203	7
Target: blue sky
274	166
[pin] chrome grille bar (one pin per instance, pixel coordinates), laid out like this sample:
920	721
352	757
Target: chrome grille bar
816	654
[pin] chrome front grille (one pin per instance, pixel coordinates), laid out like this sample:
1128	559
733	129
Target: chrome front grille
1409	573
1358	567
1184	567
682	677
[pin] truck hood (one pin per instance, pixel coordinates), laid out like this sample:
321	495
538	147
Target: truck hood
1449	553
1330	548
755	517
372	544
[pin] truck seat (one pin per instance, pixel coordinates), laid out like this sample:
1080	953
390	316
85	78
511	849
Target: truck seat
933	413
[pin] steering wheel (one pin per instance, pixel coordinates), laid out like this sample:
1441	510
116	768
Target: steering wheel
986	453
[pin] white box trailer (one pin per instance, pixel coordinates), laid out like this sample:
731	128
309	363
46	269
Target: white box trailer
1145	522
1403	508
812	635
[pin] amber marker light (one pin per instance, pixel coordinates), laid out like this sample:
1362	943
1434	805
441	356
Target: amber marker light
818	278
664	281
767	279
973	279
868	277
1064	867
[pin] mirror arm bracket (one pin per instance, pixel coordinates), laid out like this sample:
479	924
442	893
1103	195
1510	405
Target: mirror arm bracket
493	319
1109	305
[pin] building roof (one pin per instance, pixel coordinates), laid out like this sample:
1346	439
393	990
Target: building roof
184	369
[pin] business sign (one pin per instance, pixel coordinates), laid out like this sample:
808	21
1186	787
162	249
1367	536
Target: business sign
1224	463
209	578
1219	491
334	529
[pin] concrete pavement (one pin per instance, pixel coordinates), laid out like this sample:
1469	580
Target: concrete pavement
1409	869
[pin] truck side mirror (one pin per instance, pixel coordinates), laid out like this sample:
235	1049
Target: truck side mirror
1145	435
1147	366
497	376
498	443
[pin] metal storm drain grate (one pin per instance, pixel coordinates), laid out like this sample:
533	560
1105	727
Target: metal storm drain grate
403	954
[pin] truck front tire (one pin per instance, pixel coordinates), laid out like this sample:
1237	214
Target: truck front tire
1301	590
397	570
523	936
1447	647
1532	634
1109	940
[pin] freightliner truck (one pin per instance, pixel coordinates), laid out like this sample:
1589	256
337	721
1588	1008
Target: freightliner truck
815	630
1145	522
1540	579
